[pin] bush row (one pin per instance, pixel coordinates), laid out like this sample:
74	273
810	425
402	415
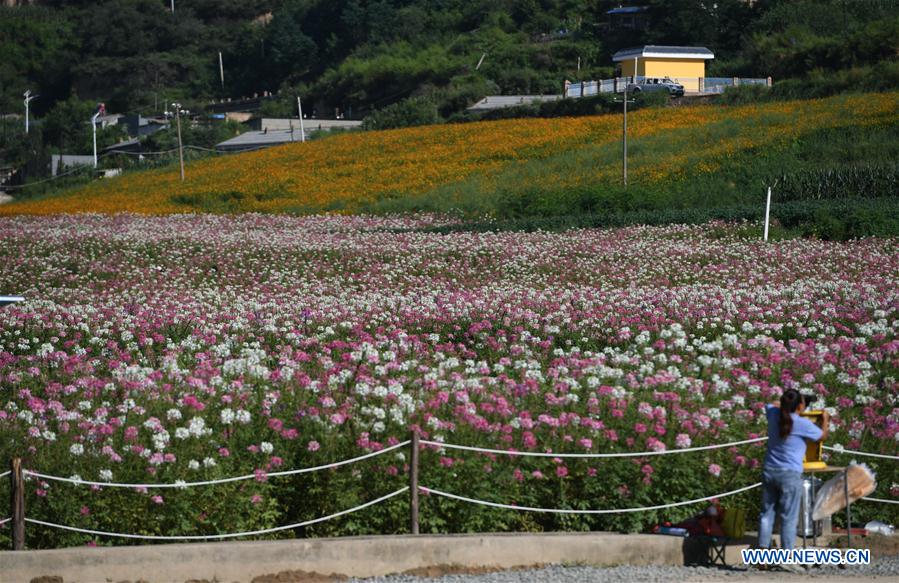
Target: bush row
829	219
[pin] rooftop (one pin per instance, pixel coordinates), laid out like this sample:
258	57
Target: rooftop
664	52
502	101
628	10
252	140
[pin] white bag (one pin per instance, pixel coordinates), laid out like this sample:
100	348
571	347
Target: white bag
831	497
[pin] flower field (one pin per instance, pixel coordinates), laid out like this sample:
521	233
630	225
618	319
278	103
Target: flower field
196	347
471	165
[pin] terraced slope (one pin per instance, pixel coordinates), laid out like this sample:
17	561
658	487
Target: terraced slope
685	156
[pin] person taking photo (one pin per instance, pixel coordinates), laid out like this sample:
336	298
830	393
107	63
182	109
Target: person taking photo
782	469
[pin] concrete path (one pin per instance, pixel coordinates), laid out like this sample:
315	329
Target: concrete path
348	556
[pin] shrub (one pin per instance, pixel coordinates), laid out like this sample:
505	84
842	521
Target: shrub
415	111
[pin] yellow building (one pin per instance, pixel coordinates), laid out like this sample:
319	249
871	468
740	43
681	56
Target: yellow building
686	65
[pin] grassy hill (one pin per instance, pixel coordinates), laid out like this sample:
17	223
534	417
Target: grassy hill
679	158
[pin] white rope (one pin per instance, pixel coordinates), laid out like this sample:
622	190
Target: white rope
4	521
222	480
590	455
219	536
572	511
4	474
880	500
854	452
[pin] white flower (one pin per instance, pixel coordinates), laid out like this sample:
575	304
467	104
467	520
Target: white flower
76	449
227	416
266	447
106	475
198	428
209	462
161	439
173	414
242	416
193	464
182	433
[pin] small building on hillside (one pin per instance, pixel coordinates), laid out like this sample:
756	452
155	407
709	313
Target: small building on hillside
686	65
492	102
59	163
629	18
269	124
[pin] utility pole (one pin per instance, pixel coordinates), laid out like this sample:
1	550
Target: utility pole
221	70
300	111
94	128
624	135
28	97
178	112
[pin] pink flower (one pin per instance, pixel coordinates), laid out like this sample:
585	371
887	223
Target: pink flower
561	471
256	499
85	511
313	446
682	441
261	476
715	470
537	474
655	445
157	499
223	451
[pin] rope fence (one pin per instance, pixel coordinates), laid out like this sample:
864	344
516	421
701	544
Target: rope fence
881	500
180	485
219	536
575	511
841	450
589	455
18	474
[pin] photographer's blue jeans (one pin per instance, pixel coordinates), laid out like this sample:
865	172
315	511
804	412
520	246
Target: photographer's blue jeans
781	496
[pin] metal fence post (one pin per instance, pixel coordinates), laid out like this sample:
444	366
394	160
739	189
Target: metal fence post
17	504
413	484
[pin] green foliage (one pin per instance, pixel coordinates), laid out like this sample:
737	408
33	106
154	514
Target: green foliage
409	112
832	168
841	182
830	219
366	54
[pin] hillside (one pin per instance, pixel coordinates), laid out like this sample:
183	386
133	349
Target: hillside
359	55
679	157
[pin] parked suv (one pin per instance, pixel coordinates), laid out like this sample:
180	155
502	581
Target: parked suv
657	84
